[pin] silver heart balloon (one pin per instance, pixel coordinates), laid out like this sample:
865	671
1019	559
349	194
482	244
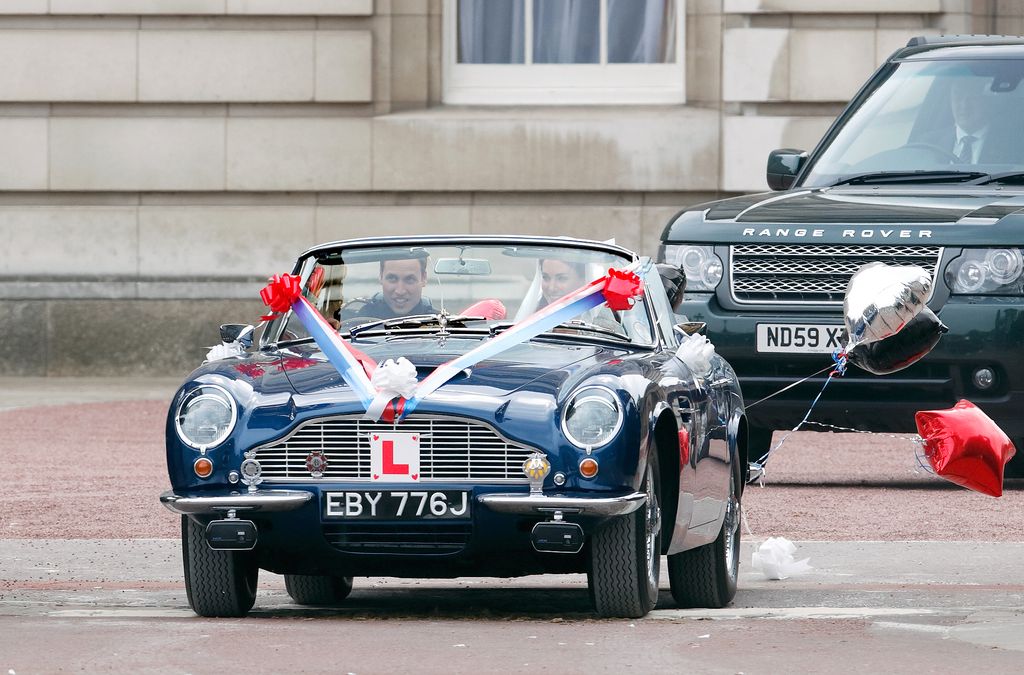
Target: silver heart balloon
881	299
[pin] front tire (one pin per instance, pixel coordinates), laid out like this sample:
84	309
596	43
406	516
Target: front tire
625	557
218	583
317	589
706	576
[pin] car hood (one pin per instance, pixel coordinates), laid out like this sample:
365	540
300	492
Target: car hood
538	366
935	214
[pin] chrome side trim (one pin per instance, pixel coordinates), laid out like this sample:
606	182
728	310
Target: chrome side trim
261	500
522	502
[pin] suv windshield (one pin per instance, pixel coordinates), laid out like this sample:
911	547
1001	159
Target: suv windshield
955	119
363	290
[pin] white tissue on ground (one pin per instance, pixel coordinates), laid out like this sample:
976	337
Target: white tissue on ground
774	559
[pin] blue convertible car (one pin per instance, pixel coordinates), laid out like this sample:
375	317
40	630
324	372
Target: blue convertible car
597	444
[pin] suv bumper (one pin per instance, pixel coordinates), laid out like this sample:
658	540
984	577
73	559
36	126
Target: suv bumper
983	333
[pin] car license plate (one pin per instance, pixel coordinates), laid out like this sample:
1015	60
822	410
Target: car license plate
800	338
398	504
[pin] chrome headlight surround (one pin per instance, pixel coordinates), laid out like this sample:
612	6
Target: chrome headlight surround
986	271
191	404
701	265
599	403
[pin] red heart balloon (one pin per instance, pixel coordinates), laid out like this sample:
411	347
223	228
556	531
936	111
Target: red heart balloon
965	446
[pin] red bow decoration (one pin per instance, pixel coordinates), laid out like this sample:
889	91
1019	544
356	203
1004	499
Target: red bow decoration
965	446
620	288
280	293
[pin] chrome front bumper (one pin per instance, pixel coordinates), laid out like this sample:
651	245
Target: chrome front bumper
548	504
262	500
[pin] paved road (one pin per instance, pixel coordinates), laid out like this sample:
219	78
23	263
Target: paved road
118	605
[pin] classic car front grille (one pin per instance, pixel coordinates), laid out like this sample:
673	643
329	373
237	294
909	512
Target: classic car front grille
421	538
451	449
812	274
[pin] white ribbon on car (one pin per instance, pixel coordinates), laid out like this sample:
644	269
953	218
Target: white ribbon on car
391	379
224	351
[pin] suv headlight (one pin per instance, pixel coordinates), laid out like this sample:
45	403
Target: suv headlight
987	271
205	416
703	268
592	417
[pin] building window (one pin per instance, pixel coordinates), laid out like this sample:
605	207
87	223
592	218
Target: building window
563	51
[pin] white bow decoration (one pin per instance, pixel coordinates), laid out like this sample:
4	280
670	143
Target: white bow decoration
391	379
224	351
696	351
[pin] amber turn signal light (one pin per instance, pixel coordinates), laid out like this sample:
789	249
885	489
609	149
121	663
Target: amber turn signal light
588	467
203	467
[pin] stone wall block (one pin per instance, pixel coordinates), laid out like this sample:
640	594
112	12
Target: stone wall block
301	7
240	242
334	223
556	149
138	338
298	154
831	6
67	65
261	66
344	66
54	242
746	142
755	64
136	154
829	65
24	143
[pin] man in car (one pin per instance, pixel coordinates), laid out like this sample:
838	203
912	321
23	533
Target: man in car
401	292
977	136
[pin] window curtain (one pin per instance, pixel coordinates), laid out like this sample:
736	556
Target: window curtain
641	31
566	31
491	31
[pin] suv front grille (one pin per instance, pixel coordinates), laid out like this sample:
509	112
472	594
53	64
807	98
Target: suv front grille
783	274
451	449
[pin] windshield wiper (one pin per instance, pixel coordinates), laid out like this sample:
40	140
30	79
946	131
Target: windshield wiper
910	177
1004	177
416	321
576	324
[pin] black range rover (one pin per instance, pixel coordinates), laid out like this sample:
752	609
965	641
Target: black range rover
924	167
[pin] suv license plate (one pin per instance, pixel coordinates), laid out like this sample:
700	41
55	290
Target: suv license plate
800	338
398	504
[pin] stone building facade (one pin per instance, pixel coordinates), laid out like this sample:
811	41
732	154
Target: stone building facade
160	158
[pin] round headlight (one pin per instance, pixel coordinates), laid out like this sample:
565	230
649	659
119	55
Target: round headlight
1005	264
592	417
206	416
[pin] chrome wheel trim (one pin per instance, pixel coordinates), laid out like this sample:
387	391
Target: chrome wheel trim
731	528
652	525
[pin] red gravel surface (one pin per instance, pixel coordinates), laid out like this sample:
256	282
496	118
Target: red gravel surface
95	471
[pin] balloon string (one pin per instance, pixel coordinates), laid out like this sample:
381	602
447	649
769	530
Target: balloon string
838	369
787	387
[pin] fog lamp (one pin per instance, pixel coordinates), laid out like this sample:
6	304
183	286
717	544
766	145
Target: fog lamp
588	467
983	378
203	467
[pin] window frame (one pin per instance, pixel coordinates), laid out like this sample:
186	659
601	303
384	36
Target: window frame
560	84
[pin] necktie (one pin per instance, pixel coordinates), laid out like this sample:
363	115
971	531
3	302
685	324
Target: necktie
966	155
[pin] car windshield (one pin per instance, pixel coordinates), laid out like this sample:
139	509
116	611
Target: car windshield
944	120
476	287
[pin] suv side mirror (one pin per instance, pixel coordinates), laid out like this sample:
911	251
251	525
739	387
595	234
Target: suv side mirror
783	166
